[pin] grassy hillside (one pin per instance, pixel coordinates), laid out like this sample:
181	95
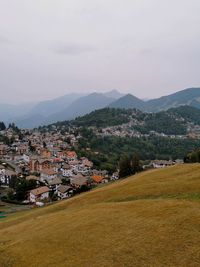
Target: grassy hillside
151	219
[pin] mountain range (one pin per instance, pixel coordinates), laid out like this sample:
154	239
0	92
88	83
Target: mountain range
73	105
189	97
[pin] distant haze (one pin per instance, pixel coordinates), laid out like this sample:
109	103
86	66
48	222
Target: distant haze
50	48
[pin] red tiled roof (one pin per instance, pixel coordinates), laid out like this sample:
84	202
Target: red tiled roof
97	178
71	154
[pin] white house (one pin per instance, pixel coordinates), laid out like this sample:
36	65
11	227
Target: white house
39	194
162	163
26	158
5	176
66	171
64	191
54	184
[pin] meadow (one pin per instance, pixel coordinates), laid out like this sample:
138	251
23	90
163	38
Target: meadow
149	219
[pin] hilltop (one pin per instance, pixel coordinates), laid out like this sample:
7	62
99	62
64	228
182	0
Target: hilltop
128	101
150	219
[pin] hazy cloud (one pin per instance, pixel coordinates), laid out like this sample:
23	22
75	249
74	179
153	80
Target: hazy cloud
5	40
73	49
145	47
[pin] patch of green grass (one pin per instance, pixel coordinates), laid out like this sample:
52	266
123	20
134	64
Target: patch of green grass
186	196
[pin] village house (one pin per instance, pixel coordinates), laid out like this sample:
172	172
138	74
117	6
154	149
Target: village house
22	149
47	175
162	163
65	191
115	176
44	164
71	156
26	158
45	153
5	176
78	180
39	194
86	163
57	164
34	165
32	177
54	184
66	170
37	164
3	149
97	179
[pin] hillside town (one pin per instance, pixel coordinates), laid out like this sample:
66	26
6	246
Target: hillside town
49	161
130	130
49	165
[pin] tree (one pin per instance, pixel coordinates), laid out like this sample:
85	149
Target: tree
13	181
125	168
32	148
135	164
2	126
23	186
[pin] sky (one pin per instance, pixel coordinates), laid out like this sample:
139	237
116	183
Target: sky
49	48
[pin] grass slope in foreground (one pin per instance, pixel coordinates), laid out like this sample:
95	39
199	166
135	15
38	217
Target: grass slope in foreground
151	219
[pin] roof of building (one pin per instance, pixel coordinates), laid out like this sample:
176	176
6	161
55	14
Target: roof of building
64	188
10	173
57	160
44	160
71	154
66	166
32	177
97	178
48	171
79	180
39	190
55	181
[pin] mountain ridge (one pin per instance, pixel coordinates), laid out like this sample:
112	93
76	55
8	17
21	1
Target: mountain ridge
74	105
189	96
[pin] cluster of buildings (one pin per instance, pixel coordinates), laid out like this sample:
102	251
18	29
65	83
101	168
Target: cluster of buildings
49	159
130	130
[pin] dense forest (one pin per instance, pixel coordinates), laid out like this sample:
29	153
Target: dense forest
106	152
188	113
104	117
162	122
193	156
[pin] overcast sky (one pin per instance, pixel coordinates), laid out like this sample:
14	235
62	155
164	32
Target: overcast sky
53	47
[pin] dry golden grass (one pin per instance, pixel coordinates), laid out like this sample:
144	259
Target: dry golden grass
151	219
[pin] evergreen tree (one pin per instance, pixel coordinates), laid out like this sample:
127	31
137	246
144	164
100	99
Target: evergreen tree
125	168
135	164
2	126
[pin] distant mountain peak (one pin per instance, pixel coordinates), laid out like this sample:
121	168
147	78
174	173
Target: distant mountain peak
128	101
114	94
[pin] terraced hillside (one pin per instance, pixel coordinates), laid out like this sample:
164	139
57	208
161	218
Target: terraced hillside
151	219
